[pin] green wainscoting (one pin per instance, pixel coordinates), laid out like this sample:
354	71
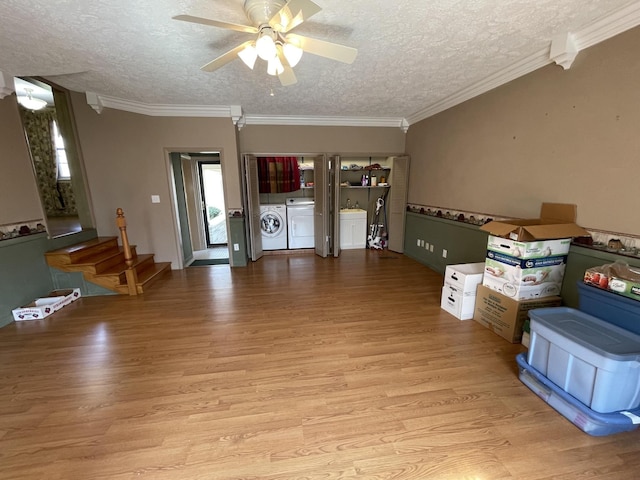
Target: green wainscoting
464	243
24	273
237	236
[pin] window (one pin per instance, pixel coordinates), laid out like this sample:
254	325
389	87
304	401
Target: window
61	154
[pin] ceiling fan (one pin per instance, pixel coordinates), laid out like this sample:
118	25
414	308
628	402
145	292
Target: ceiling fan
272	21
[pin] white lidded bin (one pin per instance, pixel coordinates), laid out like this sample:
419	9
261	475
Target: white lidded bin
595	361
465	277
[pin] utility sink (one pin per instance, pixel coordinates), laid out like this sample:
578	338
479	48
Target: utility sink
351	210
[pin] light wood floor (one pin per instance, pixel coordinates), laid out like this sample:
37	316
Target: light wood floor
295	367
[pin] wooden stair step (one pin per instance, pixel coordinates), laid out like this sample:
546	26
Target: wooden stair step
152	274
140	262
102	261
75	253
148	276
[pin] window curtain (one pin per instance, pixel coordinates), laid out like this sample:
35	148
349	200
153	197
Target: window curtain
38	126
278	174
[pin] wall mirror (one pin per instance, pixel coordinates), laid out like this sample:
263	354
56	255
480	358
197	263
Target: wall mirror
47	119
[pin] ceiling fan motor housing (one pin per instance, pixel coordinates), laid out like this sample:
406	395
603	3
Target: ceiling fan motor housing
261	11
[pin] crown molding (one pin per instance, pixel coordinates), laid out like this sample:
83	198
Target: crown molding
325	121
99	102
613	24
240	119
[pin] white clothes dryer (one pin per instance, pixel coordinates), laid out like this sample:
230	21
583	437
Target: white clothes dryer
300	213
273	226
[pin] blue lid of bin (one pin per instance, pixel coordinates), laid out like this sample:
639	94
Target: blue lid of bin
611	307
593	333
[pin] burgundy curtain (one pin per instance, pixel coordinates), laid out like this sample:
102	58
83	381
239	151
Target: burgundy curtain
278	174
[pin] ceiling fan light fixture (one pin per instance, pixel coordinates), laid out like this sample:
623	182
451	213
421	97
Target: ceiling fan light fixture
249	55
31	103
292	53
274	67
266	45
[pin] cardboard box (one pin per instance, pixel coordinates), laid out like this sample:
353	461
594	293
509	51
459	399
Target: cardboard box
526	258
69	294
616	277
524	279
557	220
464	277
44	306
457	303
528	250
504	315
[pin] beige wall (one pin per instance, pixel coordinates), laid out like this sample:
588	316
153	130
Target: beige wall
125	156
18	191
563	136
309	139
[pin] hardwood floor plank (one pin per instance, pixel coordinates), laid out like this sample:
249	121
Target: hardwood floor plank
294	367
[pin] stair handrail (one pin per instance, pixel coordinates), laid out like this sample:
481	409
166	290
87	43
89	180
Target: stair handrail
130	272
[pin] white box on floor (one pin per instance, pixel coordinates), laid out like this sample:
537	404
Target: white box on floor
465	277
45	306
594	361
456	303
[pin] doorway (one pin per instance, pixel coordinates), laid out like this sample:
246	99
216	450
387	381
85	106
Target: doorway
200	207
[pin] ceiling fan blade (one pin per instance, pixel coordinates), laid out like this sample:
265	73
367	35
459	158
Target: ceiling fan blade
225	58
293	14
334	51
216	23
287	77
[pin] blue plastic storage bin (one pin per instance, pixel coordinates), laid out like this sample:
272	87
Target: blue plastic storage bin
596	362
593	423
613	308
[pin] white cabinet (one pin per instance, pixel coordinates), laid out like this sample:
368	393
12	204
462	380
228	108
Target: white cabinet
353	228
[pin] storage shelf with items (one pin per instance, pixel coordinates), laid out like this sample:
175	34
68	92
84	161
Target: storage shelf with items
364	182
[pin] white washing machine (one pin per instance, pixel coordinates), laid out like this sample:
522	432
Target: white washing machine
273	225
300	223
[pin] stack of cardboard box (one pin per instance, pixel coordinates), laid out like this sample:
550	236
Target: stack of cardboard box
524	267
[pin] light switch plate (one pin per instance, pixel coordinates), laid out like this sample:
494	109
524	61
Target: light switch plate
155	198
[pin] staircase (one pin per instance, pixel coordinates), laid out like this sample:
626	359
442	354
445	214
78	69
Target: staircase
104	262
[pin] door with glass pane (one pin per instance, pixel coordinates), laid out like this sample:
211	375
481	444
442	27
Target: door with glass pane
213	208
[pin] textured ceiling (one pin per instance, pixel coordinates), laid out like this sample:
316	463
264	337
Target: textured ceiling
411	53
